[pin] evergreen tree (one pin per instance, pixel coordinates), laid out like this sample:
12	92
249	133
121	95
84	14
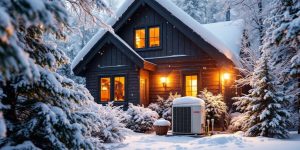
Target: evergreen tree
295	73
267	106
283	42
41	108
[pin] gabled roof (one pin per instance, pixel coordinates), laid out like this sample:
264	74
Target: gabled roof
199	34
110	37
230	33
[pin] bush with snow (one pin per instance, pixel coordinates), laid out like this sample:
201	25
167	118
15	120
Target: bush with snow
215	107
237	121
140	119
164	106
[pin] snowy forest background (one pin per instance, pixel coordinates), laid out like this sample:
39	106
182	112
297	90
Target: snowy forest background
43	105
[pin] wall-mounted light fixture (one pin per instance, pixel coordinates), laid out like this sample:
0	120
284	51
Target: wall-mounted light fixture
163	80
226	76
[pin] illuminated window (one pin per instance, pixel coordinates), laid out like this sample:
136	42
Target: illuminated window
119	89
140	38
105	89
154	37
191	85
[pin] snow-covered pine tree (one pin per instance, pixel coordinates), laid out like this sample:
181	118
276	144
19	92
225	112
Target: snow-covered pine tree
267	106
284	32
295	73
41	108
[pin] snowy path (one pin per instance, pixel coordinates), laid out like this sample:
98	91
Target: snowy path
224	142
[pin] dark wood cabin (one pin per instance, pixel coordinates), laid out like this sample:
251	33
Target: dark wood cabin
152	52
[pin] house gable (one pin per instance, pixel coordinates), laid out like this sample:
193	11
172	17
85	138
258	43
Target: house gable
115	47
173	42
161	14
109	57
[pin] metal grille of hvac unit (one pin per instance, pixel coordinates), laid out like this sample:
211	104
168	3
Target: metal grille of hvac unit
182	119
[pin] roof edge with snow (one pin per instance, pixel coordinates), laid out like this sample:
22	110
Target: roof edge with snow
204	36
110	37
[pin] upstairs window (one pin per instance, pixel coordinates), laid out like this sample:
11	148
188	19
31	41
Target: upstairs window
140	38
154	37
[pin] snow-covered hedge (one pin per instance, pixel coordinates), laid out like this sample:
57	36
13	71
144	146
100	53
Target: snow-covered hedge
140	119
164	106
215	107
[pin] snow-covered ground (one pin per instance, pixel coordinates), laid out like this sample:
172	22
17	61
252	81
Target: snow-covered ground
222	141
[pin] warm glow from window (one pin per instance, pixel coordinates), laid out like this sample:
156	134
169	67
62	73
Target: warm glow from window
226	76
154	37
119	89
105	89
140	38
191	85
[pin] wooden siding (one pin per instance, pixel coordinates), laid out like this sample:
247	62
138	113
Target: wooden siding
189	58
110	61
208	73
173	42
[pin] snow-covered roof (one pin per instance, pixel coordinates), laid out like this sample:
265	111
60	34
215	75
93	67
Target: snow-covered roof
230	33
212	33
188	100
217	34
79	57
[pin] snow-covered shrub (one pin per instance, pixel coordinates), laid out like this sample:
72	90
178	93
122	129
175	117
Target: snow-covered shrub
140	119
164	106
237	121
215	107
67	123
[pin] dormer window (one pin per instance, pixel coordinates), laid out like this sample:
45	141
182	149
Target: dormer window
154	37
148	37
140	38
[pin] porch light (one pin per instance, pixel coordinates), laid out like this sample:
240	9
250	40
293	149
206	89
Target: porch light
226	76
163	80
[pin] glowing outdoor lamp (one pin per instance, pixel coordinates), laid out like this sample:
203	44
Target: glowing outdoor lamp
163	80
226	76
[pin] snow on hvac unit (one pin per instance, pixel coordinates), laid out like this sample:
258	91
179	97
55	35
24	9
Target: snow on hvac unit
188	116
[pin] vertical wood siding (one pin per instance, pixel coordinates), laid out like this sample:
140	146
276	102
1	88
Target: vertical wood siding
102	65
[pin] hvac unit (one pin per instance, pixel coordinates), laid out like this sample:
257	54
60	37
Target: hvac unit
188	116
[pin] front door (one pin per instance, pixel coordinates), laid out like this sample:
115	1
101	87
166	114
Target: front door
143	91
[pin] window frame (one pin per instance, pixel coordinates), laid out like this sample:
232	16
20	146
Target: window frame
147	48
112	88
134	37
160	35
191	73
125	82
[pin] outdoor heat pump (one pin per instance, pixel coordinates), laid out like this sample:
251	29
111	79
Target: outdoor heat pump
188	116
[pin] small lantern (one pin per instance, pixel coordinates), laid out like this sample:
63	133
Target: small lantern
226	76
163	80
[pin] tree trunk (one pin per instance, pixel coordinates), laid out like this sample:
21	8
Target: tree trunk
260	21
